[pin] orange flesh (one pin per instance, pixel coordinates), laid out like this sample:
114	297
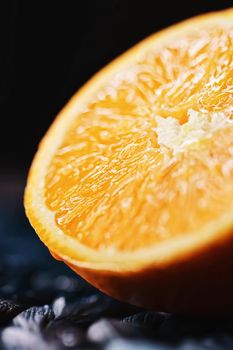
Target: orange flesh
117	182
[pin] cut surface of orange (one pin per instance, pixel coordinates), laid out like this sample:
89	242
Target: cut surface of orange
135	176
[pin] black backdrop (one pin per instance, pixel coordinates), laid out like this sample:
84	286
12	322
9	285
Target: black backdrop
50	48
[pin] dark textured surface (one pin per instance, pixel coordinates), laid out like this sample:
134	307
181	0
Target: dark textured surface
44	305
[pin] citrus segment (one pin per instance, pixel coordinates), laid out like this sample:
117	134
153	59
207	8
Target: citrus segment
155	140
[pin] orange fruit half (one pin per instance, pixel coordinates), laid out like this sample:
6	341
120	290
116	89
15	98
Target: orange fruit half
132	186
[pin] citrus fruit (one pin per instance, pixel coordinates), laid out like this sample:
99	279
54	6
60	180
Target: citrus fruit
132	186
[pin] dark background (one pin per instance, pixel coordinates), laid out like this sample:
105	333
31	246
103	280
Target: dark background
50	48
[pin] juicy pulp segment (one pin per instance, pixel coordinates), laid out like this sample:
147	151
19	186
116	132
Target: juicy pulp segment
117	182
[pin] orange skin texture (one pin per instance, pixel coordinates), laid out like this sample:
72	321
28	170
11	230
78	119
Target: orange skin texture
197	285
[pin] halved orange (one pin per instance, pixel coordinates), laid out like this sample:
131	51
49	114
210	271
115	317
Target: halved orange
132	186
